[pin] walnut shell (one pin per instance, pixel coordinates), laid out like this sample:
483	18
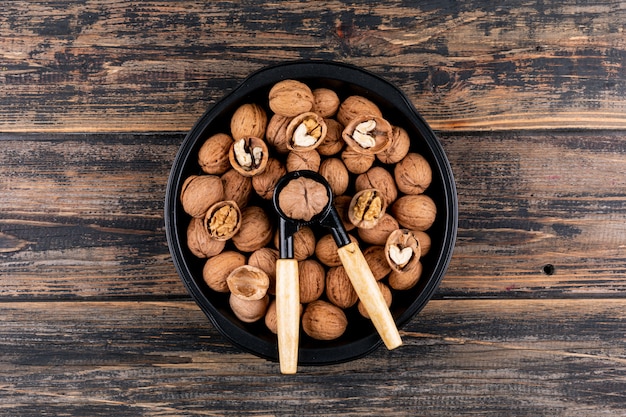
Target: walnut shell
248	282
200	242
357	163
312	277
385	291
325	102
303	243
366	208
199	192
414	212
333	142
270	317
265	182
265	259
306	132
237	187
276	133
368	134
377	261
326	250
407	278
248	311
217	268
290	98
380	179
378	234
303	160
213	154
303	198
323	321
223	220
255	230
355	106
413	174
248	120
337	175
339	289
249	156
402	250
424	239
399	146
342	204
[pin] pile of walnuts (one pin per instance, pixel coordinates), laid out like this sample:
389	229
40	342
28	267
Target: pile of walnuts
378	190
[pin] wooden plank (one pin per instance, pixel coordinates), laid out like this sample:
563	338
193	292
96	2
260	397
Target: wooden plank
82	215
156	66
489	357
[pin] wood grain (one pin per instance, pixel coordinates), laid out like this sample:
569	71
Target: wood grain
487	357
155	66
82	215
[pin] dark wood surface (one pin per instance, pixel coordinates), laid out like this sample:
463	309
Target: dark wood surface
529	102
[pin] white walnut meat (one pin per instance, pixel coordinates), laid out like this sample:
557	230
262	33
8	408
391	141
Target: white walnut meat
306	132
368	134
249	156
402	250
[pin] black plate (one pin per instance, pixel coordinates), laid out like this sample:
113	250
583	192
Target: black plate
360	338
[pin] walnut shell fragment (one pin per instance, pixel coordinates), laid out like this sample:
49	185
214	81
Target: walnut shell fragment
248	282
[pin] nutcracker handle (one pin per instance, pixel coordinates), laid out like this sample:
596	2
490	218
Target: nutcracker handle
287	314
369	293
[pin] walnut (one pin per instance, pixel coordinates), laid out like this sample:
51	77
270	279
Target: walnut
323	321
270	317
249	311
200	242
290	98
223	220
265	259
255	230
248	120
333	142
368	134
326	250
355	162
302	198
199	192
424	240
378	234
312	276
325	102
213	154
339	289
249	156
342	204
407	278
413	174
355	106
380	179
385	291
402	250
237	187
248	282
217	268
377	261
306	132
303	160
414	212
399	146
276	133
303	243
265	182
336	174
367	208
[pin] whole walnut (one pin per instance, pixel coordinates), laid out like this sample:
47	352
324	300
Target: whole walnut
355	162
377	261
380	179
199	192
414	212
249	311
407	278
265	182
333	141
326	250
290	98
217	269
200	242
237	187
213	154
312	277
337	175
265	259
276	133
303	198
255	230
304	160
399	146
413	174
339	289
356	105
323	321
248	120
325	102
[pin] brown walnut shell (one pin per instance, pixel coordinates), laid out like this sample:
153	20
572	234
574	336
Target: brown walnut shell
303	160
265	182
368	134
354	106
398	148
248	311
378	234
355	162
333	142
249	156
306	132
413	174
325	102
199	192
248	282
414	212
326	250
323	321
337	175
265	259
248	120
276	134
237	187
213	154
377	261
290	98
380	179
223	220
255	231
312	277
402	250
200	242
217	268
339	289
407	278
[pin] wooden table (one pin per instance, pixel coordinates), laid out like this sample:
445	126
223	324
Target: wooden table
528	99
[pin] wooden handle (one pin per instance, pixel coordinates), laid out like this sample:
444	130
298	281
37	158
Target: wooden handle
287	314
367	289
